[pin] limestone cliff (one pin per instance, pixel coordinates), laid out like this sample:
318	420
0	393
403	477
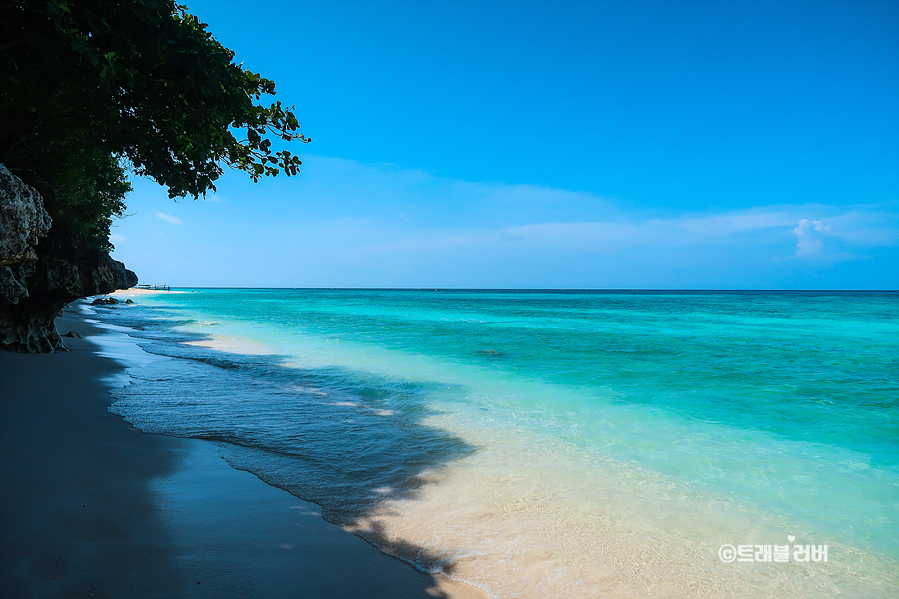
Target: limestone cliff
43	266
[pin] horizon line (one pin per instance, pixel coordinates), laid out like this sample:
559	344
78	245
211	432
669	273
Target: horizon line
434	288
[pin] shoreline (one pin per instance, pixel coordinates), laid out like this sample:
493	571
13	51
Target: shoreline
522	516
94	507
614	530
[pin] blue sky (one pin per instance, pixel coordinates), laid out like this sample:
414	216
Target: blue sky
554	144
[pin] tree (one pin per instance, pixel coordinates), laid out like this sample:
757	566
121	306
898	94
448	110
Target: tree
92	88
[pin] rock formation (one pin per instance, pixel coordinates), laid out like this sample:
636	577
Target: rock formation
43	266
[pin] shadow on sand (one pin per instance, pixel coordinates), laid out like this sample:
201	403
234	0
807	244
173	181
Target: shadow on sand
345	440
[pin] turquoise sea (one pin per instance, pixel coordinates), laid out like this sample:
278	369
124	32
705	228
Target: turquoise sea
554	443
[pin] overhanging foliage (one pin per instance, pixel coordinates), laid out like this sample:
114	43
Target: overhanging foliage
85	84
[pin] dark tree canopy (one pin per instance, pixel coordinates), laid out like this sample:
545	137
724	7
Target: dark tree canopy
89	88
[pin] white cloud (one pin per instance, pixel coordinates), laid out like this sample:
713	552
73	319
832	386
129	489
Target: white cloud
808	243
744	240
169	219
349	224
116	238
866	226
443	213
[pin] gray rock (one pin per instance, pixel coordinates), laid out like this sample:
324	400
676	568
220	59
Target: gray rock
23	220
44	266
104	301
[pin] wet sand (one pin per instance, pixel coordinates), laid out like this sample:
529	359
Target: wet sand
92	507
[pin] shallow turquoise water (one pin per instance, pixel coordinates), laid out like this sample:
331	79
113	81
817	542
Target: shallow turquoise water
785	402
